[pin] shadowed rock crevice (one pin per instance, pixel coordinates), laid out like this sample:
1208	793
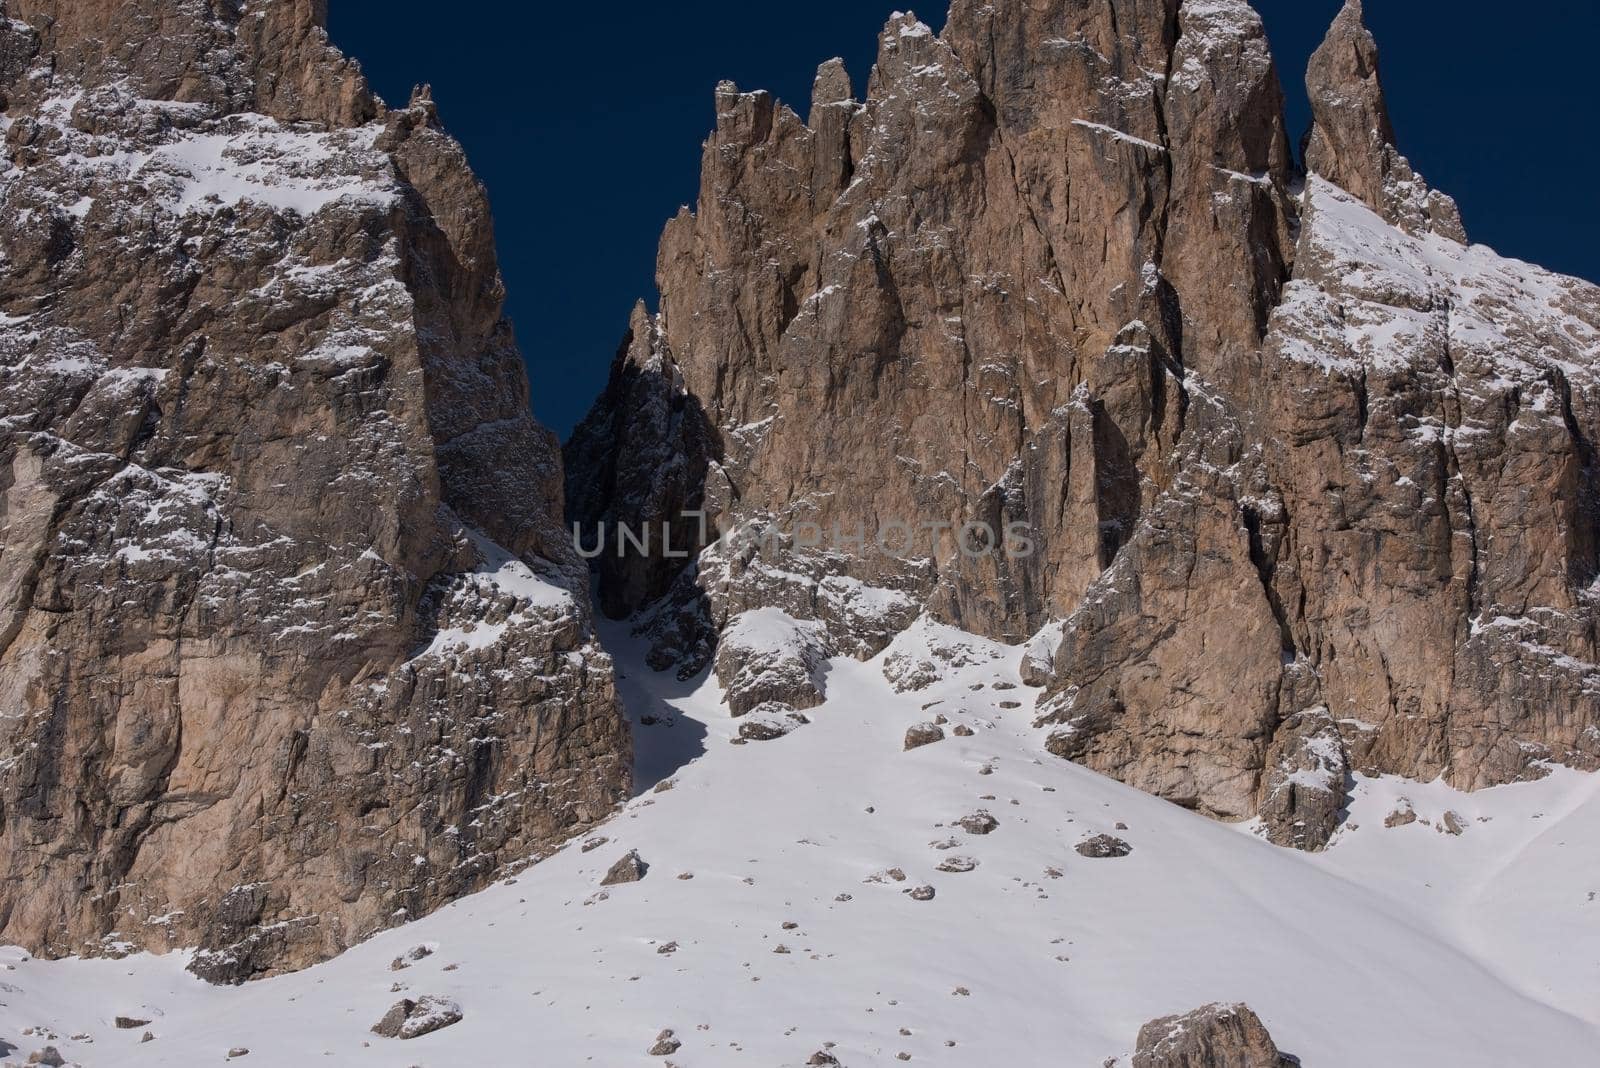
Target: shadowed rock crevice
640	460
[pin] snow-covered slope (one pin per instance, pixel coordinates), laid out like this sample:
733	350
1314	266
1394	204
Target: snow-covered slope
767	924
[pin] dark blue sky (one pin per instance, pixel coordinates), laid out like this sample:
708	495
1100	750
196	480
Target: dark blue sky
585	122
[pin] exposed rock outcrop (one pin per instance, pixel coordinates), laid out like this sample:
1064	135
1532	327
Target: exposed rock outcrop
293	645
1304	789
1213	1036
1246	442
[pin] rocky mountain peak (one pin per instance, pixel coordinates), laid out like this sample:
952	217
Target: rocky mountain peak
1057	274
271	58
1352	142
831	87
1351	129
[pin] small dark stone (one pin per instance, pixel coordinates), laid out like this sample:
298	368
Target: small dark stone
979	822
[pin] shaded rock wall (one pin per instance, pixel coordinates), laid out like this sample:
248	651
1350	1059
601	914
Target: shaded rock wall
293	644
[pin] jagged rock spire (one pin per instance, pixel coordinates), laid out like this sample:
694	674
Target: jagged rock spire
1350	129
1352	140
832	85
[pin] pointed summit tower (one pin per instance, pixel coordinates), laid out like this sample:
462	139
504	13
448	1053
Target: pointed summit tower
1351	142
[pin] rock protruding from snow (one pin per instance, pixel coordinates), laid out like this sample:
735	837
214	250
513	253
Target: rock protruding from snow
979	822
630	869
1214	1036
666	1044
770	721
409	1018
921	734
1103	847
1038	655
768	655
927	652
1403	815
1305	785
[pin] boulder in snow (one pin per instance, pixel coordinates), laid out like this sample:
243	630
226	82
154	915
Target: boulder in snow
630	869
768	655
769	721
1404	812
1102	847
411	1019
1214	1036
979	822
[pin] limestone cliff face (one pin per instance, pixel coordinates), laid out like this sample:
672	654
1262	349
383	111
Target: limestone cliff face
292	642
1308	482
